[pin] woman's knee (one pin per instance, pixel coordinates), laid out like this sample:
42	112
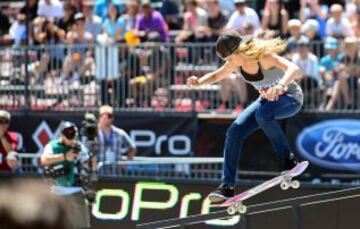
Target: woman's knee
261	116
234	131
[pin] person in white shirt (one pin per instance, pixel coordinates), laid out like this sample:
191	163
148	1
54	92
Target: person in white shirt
242	15
50	9
307	61
337	26
311	81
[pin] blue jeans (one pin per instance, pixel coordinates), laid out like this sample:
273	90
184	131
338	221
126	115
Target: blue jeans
260	114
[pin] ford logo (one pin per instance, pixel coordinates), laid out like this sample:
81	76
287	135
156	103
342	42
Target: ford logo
333	144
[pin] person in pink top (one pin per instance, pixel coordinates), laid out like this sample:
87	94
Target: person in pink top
195	23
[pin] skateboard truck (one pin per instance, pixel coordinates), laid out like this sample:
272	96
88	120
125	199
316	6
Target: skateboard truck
288	182
237	207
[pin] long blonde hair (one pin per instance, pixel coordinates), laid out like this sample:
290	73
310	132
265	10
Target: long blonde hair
257	48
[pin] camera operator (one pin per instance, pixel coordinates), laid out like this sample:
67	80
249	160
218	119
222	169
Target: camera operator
62	158
113	142
8	143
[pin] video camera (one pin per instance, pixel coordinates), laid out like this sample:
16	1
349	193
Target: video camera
89	127
76	146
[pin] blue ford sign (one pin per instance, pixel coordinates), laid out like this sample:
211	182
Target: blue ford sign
333	144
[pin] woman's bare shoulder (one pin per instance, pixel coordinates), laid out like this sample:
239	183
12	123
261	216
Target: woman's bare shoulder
268	60
231	65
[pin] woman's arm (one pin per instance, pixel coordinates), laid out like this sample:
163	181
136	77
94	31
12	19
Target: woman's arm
212	77
291	70
291	73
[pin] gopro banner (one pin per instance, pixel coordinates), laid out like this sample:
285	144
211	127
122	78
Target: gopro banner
331	144
153	134
124	204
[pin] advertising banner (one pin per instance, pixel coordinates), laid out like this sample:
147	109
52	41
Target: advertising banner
154	135
124	204
329	143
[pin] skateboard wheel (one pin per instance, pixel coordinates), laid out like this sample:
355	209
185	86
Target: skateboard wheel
242	209
231	210
284	185
295	184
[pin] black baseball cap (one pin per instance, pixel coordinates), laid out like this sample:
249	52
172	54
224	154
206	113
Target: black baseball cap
69	130
229	41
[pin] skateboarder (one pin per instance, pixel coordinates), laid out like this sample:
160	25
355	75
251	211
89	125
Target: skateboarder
280	97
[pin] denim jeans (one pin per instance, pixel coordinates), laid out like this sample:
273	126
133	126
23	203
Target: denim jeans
260	114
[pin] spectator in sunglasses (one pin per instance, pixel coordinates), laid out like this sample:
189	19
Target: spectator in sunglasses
8	144
113	141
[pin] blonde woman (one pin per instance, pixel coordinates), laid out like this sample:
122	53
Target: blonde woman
280	97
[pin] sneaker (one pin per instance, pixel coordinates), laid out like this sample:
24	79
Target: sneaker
287	163
222	193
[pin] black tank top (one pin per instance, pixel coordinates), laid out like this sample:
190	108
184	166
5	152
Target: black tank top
252	77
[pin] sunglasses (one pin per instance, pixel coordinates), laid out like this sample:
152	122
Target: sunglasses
69	133
4	121
108	115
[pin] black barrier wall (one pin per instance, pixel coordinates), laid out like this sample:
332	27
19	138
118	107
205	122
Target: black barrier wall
123	204
154	134
330	142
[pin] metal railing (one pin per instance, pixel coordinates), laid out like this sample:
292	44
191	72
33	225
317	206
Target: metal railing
148	77
173	168
180	168
143	167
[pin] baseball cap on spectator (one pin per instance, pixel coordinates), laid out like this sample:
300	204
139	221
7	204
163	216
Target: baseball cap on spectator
331	43
106	109
336	8
79	16
4	116
311	25
294	23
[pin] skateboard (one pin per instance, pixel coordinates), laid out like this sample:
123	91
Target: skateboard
285	180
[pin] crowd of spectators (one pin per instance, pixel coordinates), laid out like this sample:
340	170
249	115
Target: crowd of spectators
322	39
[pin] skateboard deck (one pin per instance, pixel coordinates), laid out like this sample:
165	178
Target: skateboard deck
234	204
